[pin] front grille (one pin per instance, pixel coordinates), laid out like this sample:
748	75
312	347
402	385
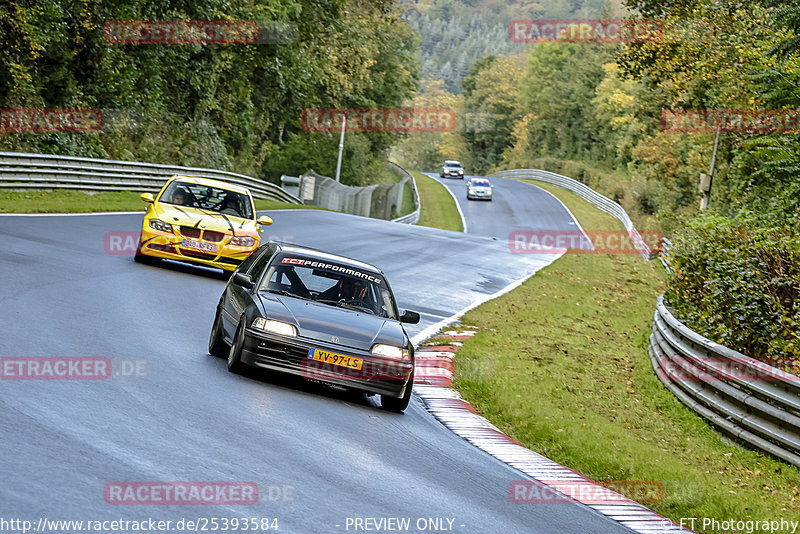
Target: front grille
162	248
210	235
198	254
287	353
190	231
231	261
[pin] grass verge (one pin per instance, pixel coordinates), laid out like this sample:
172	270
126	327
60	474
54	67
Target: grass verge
61	201
560	364
80	202
438	208
408	200
266	204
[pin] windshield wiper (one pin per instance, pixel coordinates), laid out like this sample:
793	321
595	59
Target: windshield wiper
286	293
343	304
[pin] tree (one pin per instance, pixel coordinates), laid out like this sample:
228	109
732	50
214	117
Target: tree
490	105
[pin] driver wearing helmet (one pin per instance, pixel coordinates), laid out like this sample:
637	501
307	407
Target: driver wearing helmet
231	205
180	197
347	289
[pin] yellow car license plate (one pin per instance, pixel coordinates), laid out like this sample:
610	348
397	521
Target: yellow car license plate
199	245
336	359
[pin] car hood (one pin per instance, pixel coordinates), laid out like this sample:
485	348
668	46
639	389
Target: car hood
481	188
205	219
323	322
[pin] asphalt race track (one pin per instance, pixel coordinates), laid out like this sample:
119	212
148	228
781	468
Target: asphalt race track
515	206
318	455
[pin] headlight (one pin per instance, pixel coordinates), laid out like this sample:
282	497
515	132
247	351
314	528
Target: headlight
460	171
243	241
276	327
390	351
161	226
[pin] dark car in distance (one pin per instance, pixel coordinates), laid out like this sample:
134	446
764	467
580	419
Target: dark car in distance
451	168
317	315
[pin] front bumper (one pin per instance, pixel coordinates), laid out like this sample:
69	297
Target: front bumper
383	376
170	246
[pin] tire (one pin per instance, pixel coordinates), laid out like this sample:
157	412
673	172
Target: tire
393	404
216	344
235	364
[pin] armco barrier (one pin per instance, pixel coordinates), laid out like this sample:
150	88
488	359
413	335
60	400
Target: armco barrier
588	194
413	217
748	399
751	400
45	171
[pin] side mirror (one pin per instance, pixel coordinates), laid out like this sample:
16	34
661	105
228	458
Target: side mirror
266	221
409	317
244	280
147	197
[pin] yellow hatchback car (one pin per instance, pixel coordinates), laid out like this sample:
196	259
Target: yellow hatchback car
200	221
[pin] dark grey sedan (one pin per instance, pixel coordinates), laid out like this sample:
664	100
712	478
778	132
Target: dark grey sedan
317	315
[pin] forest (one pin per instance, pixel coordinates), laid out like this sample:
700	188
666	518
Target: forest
227	103
600	113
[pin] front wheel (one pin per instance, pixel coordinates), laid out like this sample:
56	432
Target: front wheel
393	404
235	364
216	344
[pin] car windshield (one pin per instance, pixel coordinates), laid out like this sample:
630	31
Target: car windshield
479	183
452	164
331	284
208	198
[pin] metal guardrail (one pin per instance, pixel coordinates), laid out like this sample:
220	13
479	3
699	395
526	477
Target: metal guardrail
750	400
588	194
44	171
413	217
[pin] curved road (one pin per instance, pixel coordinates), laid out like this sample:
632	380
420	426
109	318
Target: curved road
318	455
515	206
